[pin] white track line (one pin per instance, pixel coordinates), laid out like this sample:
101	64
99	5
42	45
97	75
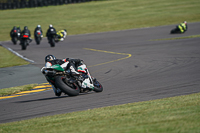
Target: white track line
14	52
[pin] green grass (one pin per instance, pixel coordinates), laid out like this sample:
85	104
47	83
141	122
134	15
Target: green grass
170	115
99	16
13	90
8	59
185	37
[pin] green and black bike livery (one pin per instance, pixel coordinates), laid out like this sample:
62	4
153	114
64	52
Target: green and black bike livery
71	85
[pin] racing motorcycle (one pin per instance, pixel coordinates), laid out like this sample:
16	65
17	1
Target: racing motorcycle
38	37
59	38
52	41
71	85
24	42
15	37
56	38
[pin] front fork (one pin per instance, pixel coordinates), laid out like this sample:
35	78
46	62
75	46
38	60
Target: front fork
88	82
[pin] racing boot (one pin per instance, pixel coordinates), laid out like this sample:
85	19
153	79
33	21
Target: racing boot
30	40
74	72
57	91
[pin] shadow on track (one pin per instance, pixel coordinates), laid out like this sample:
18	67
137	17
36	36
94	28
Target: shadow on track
52	98
42	99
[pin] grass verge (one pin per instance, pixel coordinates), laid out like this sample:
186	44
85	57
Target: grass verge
13	90
175	114
8	59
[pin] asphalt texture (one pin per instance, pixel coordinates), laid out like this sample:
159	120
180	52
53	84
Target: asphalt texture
130	65
20	75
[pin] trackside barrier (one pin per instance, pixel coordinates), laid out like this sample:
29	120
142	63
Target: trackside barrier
15	4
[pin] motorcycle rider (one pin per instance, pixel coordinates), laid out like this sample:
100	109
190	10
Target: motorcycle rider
50	31
68	64
182	27
15	30
12	31
26	31
38	28
61	34
18	29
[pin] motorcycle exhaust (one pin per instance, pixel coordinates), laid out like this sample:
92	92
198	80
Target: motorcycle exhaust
49	73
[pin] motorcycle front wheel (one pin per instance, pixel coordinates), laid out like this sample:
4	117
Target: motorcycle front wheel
71	89
97	86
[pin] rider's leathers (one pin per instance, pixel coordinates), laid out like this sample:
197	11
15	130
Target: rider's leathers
182	27
67	64
61	35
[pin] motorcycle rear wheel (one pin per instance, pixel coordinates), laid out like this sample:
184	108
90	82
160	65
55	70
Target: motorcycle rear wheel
14	40
24	44
52	43
37	41
69	89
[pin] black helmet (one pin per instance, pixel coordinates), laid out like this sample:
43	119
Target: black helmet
65	30
25	28
49	58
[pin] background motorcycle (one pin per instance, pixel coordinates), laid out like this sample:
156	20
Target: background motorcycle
52	38
15	36
175	31
58	37
66	83
24	42
38	37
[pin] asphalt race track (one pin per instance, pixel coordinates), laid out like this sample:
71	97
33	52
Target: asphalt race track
130	65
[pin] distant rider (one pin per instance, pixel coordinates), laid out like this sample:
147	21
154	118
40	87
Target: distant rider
50	31
16	30
62	34
26	31
38	28
183	27
69	65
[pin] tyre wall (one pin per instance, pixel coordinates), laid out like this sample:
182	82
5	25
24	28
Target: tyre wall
15	4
